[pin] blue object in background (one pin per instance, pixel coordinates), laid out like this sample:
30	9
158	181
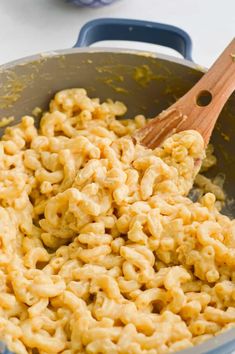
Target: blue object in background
91	3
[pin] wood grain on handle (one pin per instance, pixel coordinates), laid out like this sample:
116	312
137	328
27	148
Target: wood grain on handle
217	84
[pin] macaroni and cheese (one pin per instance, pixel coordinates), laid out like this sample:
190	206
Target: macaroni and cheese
101	249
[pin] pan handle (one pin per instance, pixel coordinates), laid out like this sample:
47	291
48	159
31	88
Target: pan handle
135	30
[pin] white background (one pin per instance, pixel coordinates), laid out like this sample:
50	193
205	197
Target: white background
31	26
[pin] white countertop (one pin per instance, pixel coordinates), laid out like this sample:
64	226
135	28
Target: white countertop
32	26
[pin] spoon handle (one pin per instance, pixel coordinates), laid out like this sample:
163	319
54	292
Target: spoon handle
204	102
199	108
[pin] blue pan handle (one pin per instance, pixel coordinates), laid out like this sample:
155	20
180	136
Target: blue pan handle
135	30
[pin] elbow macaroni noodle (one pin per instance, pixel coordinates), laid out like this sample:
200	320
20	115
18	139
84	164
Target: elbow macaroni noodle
101	249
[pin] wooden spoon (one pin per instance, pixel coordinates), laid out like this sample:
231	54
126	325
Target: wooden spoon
198	109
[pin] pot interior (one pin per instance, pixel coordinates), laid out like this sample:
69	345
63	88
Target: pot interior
146	84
